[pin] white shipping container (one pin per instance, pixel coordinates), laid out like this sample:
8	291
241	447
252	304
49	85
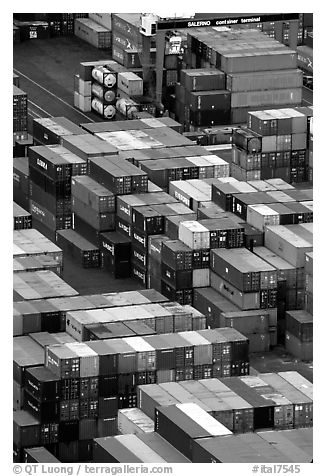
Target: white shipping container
93	33
194	235
202	186
103	19
268	144
203	419
130	83
137	447
287	244
221	167
85	103
134	421
277	97
262	185
76	322
89	359
280	184
260	216
146	354
32	242
85	87
200	278
280	196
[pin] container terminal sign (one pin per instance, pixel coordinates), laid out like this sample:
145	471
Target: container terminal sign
226	21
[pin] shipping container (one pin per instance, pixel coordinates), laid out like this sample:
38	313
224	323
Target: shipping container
124	449
263	407
182	423
26	429
92	32
134	421
163	448
202	79
92	193
245	301
287	244
257	80
303	406
39	455
240	268
86	253
280	441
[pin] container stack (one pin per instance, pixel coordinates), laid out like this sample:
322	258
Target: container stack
299	334
273	446
20	107
63	24
127	39
115	254
105	86
140	319
202	100
290	242
36	263
148	221
274	145
83	85
268	28
22	218
225	397
93	206
78	391
40	284
248	75
41	317
48	131
33	30
93	33
140	448
104	91
84	252
45	25
51	168
32	244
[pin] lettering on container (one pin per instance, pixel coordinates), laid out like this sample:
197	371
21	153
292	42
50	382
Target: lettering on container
108	247
32	385
139	238
37	210
139	256
139	274
33	406
125	210
182	198
124	228
42	164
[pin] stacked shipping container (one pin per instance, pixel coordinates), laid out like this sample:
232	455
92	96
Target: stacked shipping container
20	107
50	170
274	145
249	71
